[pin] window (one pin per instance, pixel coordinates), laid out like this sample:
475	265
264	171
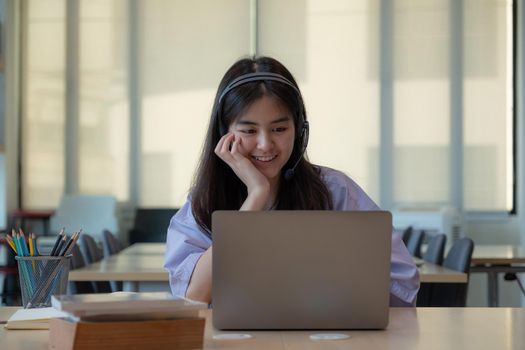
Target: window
185	50
451	68
103	98
43	103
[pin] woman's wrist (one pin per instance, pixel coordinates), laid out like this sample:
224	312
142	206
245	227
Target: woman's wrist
257	199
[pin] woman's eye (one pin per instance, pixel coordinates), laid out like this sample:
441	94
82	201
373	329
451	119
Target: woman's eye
279	129
248	131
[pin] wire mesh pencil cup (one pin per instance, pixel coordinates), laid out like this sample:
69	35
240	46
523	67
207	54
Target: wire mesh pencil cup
41	277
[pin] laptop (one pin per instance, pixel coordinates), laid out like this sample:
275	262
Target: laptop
301	269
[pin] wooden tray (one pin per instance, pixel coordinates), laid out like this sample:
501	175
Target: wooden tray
151	335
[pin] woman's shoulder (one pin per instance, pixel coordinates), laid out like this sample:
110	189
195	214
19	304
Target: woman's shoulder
335	178
184	218
346	193
184	214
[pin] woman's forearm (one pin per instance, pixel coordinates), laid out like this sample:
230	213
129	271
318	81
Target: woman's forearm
199	287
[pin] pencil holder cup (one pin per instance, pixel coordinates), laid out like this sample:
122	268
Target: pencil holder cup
41	277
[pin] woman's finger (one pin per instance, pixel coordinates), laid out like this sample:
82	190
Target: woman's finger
219	144
235	145
240	148
225	148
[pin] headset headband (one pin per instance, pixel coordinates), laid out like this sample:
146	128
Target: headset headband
257	76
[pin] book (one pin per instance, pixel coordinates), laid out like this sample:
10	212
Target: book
127	306
38	318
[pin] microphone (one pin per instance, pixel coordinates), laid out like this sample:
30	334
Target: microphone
291	172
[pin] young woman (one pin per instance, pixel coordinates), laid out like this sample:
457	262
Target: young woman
254	159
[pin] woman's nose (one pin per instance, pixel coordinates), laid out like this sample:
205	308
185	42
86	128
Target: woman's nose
264	141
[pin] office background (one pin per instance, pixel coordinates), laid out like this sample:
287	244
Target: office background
413	99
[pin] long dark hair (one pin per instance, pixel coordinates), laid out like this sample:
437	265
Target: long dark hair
216	187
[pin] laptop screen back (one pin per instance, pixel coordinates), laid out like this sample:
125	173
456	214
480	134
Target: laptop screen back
301	269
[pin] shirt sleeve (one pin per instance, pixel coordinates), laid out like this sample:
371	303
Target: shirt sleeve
185	244
404	275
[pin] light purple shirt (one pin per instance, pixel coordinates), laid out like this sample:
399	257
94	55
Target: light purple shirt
186	242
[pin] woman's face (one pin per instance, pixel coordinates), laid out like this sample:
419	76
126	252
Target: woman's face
267	135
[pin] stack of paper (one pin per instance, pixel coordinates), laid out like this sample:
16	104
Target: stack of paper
33	318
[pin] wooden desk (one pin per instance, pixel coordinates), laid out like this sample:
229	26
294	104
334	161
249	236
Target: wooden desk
423	328
430	273
145	249
143	262
495	259
130	269
498	254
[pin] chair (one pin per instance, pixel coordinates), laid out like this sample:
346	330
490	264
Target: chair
90	250
92	253
454	294
77	261
111	245
406	234
459	256
151	225
414	243
434	254
436	249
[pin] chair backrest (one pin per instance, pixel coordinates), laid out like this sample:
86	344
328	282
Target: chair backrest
453	294
111	245
406	235
77	261
92	253
436	249
151	225
90	249
459	256
92	214
415	242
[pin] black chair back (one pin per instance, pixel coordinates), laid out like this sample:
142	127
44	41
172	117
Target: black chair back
110	243
414	243
406	235
92	254
451	294
459	256
151	225
90	250
77	261
436	249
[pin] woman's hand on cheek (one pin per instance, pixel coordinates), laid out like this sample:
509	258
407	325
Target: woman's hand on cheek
230	149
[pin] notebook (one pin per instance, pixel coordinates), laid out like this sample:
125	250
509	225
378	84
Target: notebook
301	269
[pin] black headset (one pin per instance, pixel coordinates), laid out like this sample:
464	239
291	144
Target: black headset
303	129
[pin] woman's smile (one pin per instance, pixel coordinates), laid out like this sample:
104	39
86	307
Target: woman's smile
264	159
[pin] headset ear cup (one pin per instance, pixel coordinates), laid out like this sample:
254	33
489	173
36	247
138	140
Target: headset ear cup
305	135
